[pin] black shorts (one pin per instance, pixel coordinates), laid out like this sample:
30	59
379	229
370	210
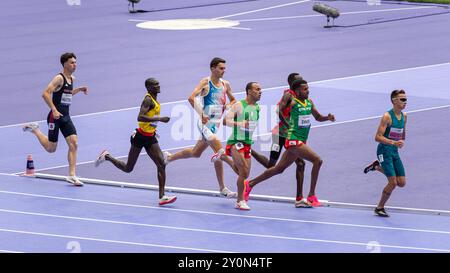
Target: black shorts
277	147
139	140
64	124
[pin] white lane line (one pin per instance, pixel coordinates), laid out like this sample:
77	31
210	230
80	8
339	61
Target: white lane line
262	9
225	214
10	251
239	93
240	28
342	13
255	136
265	236
108	241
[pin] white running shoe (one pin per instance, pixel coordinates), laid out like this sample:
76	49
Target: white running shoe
303	203
242	205
228	193
30	127
167	200
215	157
166	155
74	181
101	158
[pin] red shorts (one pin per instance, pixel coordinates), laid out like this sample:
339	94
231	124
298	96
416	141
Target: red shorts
290	143
241	147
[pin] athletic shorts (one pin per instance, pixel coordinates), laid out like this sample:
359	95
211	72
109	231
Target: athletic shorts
241	147
141	140
390	161
207	131
291	143
63	124
276	147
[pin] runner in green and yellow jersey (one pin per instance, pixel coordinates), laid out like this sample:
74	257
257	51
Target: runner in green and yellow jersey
303	109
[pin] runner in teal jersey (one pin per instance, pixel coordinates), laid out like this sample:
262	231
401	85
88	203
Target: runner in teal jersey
391	136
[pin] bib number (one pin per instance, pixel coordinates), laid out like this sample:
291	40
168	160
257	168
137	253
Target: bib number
66	99
239	146
396	133
304	121
275	147
251	126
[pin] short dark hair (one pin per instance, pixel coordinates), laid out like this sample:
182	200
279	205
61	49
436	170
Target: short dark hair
249	86
215	61
149	82
297	83
66	56
395	93
291	78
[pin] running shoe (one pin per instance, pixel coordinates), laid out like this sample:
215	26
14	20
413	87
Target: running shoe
228	193
30	127
215	157
314	201
167	200
74	180
166	155
372	166
302	203
381	212
242	205
247	190
101	158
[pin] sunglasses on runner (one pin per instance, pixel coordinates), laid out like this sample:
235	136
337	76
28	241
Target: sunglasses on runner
403	99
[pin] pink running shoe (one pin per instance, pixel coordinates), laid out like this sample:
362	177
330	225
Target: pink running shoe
314	201
247	190
167	200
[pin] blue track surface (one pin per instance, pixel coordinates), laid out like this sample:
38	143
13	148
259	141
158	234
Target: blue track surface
49	216
351	69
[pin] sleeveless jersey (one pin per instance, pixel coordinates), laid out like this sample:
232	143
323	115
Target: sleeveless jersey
395	131
214	101
62	99
282	129
244	135
300	121
150	127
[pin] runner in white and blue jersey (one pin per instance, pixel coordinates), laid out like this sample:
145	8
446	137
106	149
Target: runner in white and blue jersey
209	100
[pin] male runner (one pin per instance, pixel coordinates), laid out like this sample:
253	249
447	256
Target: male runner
243	117
145	137
209	100
391	135
58	96
295	144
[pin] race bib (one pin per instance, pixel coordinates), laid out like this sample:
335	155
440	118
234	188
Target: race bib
275	147
66	99
396	133
304	121
251	126
239	146
214	111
